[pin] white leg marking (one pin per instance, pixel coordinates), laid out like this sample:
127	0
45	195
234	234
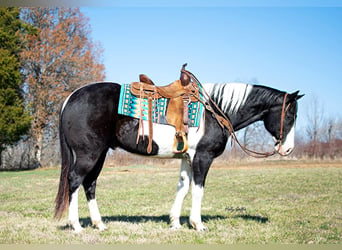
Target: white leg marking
195	215
73	212
95	215
182	190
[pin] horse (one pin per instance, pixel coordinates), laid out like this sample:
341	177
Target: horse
90	125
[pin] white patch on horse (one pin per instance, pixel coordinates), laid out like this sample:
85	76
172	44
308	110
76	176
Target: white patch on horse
288	144
66	101
233	95
74	155
182	190
95	215
164	135
73	212
195	215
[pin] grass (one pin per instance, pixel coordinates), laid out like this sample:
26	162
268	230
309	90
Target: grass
249	203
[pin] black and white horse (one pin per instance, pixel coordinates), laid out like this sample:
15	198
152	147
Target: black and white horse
90	125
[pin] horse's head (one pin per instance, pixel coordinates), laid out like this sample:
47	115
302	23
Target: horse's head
280	122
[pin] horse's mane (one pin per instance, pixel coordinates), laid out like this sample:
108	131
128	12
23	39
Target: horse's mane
270	96
231	96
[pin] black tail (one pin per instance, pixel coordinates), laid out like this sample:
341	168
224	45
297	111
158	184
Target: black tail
62	198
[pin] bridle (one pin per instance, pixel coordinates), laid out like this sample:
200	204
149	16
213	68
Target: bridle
283	113
282	120
224	121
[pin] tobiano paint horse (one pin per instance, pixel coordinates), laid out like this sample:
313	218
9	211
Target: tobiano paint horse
90	125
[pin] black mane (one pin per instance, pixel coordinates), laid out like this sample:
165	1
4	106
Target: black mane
269	96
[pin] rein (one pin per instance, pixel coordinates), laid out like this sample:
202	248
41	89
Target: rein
224	121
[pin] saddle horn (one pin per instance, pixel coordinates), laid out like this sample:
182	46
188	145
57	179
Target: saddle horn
184	78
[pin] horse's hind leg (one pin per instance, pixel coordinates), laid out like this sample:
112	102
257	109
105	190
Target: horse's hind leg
86	165
89	185
74	187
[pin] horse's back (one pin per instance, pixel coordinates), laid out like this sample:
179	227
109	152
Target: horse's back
93	94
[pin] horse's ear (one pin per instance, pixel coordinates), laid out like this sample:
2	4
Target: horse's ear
294	96
299	96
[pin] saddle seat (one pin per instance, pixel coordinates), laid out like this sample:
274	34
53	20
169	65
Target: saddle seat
146	87
180	93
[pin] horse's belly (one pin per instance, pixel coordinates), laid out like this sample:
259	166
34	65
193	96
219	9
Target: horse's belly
163	136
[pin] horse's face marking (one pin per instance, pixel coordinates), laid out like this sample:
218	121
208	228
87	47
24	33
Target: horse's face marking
272	122
287	146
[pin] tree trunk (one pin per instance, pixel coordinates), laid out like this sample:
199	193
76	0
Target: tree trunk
0	158
38	147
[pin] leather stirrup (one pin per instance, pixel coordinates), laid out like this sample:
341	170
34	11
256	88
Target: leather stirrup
180	141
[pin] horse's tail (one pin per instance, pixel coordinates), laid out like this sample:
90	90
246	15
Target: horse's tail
62	198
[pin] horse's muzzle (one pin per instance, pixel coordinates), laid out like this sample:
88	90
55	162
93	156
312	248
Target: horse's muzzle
282	149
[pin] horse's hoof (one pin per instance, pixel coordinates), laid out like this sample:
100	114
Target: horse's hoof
175	227
202	229
78	229
101	226
175	223
199	226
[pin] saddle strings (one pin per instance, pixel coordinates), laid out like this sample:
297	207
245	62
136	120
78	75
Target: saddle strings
141	124
224	121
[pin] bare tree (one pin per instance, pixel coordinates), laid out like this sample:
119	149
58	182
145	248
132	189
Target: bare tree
315	125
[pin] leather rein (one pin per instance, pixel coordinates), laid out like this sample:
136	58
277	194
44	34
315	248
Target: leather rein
224	121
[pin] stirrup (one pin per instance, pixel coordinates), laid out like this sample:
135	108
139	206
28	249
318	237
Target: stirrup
180	144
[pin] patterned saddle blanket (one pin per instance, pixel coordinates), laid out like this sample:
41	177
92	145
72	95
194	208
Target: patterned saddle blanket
130	105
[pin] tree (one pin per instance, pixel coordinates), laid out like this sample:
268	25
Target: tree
59	58
14	121
315	125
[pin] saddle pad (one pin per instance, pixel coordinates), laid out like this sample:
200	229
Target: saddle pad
129	105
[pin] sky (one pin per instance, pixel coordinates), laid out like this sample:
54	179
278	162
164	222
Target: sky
291	47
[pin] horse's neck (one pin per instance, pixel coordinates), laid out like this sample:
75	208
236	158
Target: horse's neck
238	102
244	117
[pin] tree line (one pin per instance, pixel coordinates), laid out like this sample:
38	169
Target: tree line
46	53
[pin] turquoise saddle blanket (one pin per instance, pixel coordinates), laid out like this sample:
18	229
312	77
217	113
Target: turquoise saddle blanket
129	105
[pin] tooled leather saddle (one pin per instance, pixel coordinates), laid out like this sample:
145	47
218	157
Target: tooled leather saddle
180	93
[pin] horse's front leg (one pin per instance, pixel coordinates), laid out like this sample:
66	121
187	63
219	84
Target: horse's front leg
182	190
200	166
195	215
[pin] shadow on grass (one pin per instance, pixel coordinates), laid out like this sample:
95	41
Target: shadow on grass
86	222
246	217
257	218
161	218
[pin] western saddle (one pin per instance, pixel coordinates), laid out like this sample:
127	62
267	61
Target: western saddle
180	93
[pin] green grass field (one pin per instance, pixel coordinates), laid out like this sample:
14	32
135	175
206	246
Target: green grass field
252	203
